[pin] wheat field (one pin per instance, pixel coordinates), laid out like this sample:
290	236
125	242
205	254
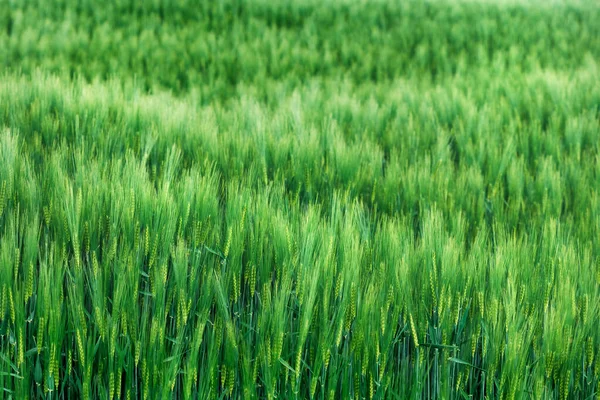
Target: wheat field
251	199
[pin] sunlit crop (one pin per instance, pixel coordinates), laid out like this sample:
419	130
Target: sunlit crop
297	199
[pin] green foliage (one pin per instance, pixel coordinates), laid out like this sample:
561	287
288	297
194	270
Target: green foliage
251	199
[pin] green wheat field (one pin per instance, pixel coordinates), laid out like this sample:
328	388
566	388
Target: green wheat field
333	199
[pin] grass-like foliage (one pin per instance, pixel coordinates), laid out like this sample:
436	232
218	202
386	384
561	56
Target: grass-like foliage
299	199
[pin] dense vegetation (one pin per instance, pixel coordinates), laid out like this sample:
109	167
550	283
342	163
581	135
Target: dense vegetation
339	199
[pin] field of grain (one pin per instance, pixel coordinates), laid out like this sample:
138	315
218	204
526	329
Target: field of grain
251	199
